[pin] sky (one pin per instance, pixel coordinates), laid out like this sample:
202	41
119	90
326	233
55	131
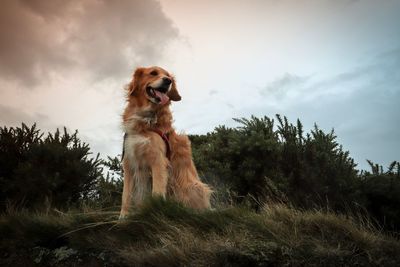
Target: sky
333	63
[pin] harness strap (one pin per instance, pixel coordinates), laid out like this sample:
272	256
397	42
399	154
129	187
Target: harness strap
164	137
123	146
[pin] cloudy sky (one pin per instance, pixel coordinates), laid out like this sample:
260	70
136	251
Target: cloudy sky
334	63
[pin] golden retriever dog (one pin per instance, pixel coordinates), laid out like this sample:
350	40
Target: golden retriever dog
157	160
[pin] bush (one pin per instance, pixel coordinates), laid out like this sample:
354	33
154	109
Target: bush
309	169
107	192
35	169
381	192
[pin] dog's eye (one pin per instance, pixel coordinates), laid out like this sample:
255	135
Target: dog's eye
154	73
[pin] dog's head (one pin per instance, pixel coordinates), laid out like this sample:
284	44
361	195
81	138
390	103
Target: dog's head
153	85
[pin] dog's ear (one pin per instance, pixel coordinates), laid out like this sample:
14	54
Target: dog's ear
173	93
134	84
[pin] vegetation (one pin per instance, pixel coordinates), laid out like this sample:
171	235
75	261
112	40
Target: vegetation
380	194
164	233
35	169
282	197
310	169
259	160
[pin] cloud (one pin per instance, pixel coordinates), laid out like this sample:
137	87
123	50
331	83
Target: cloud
14	117
284	85
361	104
380	71
103	39
212	92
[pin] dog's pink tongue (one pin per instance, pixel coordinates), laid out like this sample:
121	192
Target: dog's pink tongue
163	97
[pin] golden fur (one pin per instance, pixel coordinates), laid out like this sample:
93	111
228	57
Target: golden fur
146	166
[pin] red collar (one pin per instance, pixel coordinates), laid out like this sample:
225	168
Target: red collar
164	137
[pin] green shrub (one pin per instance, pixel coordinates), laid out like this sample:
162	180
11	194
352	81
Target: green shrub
311	170
35	169
381	193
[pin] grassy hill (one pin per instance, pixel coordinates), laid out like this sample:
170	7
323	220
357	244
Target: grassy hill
164	233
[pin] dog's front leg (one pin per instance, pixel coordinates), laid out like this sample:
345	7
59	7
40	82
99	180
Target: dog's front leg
127	191
159	172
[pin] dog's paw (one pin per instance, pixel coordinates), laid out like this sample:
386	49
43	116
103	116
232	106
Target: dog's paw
123	217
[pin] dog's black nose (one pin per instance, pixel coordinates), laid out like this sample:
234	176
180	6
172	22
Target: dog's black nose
167	81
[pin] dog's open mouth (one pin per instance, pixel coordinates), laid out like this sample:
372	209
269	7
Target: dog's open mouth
156	96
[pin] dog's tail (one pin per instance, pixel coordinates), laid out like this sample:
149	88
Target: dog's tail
185	184
194	194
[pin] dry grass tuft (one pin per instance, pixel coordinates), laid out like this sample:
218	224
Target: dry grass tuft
164	233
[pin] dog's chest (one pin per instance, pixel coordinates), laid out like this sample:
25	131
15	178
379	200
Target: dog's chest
134	146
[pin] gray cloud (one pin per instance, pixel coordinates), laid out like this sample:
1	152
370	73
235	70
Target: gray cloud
213	92
283	85
101	38
105	140
362	105
14	117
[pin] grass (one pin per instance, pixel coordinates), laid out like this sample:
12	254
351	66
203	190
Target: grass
164	233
